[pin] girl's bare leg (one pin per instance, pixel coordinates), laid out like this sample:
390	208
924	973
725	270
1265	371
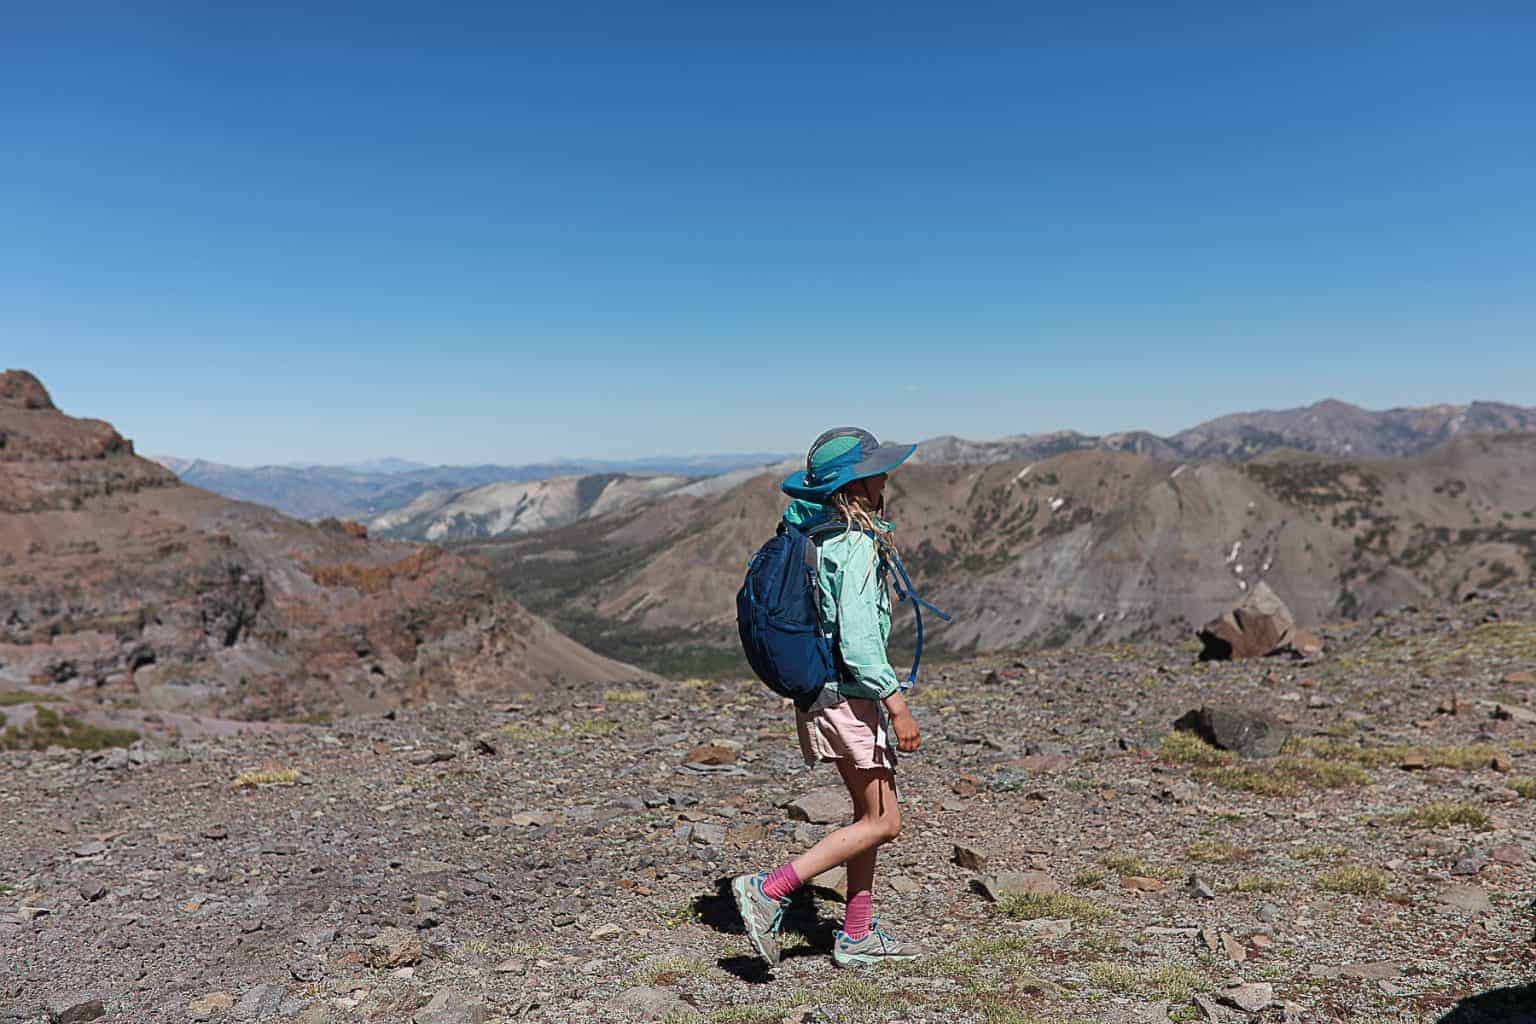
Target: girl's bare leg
878	820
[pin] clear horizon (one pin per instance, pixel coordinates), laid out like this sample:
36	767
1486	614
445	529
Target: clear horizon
267	236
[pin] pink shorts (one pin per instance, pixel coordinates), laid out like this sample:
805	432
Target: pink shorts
854	729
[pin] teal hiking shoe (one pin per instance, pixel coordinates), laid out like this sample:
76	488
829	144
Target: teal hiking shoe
761	915
878	947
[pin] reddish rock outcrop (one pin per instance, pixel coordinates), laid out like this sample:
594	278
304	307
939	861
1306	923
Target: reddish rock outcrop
121	585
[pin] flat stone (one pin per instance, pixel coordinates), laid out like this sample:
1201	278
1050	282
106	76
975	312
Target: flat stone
710	754
1250	997
1018	883
1199	888
645	1002
972	858
826	806
903	885
92	848
833	883
607	931
211	1005
1509	853
1235	950
394	947
1374	971
75	1009
260	1003
450	1007
1464	896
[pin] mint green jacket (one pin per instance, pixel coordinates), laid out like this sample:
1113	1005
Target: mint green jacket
855	603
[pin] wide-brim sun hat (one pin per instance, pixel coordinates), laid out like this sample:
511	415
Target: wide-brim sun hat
839	457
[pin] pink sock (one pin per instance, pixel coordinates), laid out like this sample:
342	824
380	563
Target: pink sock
782	882
861	908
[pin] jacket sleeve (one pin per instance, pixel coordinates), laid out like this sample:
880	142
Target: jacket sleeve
856	586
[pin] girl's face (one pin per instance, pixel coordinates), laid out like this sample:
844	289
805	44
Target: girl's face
874	489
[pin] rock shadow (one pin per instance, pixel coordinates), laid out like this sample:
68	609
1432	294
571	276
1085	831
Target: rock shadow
1515	1004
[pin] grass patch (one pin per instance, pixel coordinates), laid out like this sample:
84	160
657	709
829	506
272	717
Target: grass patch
1180	747
1211	851
1525	786
1173	982
10	697
49	728
1087	878
1439	815
271	775
1320	851
1353	879
623	696
1259	883
1465	758
1126	864
669	970
1285	776
1032	906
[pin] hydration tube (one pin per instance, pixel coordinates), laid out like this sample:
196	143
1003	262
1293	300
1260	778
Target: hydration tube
903	591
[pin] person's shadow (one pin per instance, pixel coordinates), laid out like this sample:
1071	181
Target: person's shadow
1513	1005
804	933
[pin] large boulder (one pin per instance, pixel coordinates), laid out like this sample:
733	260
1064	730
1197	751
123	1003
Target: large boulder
1260	626
1245	733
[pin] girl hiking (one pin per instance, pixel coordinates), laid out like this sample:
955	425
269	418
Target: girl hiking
838	502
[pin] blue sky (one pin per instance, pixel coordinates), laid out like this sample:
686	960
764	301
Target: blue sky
501	233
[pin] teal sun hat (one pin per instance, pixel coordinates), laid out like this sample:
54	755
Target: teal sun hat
841	456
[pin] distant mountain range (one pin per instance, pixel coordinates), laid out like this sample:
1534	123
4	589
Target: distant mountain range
408	501
362	491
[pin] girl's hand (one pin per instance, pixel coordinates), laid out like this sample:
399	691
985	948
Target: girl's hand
908	738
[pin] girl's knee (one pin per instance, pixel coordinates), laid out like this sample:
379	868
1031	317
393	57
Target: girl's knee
889	825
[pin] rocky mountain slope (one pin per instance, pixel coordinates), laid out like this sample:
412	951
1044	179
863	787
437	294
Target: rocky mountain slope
1086	545
499	509
123	587
565	858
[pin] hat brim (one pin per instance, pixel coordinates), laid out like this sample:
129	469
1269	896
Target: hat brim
882	460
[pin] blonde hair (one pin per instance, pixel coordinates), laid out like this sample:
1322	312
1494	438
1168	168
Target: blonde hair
856	514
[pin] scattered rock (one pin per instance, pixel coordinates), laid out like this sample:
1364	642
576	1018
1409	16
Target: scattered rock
1235	950
1018	883
92	848
210	1006
1199	888
832	883
91	890
607	931
1249	734
1509	853
826	806
1464	896
1518	679
1260	626
710	754
394	947
645	1002
260	1003
75	1009
450	1007
971	857
903	885
1250	997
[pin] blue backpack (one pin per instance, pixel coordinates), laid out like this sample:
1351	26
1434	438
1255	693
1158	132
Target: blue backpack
778	615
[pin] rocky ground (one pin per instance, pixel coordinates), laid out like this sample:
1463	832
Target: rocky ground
564	857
